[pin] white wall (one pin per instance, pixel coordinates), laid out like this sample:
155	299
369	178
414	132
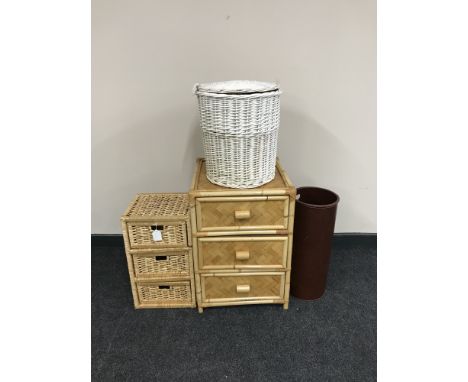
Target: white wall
147	54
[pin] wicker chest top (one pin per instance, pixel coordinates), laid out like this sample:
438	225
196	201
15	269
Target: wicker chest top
201	186
166	206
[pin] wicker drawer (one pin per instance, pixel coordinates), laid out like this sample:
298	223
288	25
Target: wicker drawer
168	263
173	234
242	286
242	252
164	294
242	213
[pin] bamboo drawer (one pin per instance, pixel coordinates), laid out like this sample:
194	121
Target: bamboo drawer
240	287
244	252
168	263
164	294
242	213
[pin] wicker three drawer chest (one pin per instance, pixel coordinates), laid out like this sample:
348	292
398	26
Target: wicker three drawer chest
242	241
157	238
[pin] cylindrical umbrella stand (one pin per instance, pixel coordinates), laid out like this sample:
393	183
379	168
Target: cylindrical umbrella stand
314	224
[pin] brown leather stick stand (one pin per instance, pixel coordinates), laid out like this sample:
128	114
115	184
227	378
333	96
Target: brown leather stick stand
314	224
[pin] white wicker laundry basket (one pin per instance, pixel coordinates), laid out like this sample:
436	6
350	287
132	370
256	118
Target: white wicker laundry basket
240	122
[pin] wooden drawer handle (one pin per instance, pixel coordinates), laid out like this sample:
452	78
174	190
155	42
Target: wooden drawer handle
242	214
242	255
243	288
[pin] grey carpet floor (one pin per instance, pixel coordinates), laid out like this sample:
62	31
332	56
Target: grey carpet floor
330	339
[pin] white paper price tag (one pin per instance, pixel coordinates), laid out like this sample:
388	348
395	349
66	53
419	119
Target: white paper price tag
157	235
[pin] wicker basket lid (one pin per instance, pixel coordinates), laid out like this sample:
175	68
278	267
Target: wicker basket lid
236	87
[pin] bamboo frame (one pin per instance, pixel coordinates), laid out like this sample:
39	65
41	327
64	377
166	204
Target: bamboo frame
244	271
189	228
198	293
234	303
229	273
203	194
195	257
290	243
242	232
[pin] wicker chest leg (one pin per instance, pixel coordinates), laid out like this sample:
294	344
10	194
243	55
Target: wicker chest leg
136	301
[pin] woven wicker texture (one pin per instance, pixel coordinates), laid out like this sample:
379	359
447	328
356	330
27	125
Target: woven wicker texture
242	253
165	293
225	287
264	214
240	135
173	235
159	205
162	265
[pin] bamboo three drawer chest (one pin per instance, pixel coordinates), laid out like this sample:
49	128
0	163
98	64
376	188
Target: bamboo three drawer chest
242	241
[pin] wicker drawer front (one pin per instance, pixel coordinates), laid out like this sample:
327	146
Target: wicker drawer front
242	252
237	287
162	264
173	234
242	213
160	293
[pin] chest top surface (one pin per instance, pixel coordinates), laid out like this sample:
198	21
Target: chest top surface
201	186
160	205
